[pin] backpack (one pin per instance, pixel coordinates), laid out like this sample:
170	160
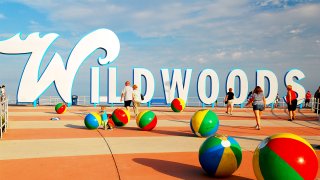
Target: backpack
142	97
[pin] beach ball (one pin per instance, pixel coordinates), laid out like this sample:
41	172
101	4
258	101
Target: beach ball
92	120
204	123
60	108
110	121
178	105
285	156
220	155
146	120
121	117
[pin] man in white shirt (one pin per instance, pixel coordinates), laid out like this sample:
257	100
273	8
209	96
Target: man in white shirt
126	95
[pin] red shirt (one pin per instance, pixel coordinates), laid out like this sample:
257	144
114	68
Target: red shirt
293	95
308	95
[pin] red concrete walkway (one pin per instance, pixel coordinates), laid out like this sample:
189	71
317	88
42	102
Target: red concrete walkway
34	147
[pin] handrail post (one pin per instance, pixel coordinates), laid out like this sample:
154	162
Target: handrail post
317	110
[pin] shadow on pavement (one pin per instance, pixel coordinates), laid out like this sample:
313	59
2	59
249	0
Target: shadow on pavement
75	126
165	132
179	170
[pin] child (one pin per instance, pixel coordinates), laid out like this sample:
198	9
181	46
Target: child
105	119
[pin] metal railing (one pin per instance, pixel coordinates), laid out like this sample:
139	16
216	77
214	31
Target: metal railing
316	107
3	116
192	101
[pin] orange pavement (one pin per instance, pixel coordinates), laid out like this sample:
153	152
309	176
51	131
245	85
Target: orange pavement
80	132
143	165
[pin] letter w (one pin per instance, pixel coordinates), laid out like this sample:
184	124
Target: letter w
31	86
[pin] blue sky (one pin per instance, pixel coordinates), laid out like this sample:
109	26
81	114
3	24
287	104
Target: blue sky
278	35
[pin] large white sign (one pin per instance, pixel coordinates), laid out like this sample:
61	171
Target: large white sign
32	85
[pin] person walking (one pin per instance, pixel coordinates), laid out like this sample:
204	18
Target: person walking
258	105
316	100
291	99
2	92
136	99
229	101
126	95
307	100
277	100
249	95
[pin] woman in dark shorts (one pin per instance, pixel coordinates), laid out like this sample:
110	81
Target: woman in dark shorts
258	103
229	101
291	102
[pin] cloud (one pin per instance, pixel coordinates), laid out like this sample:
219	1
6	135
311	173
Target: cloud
220	55
6	35
2	16
196	26
249	34
145	20
295	31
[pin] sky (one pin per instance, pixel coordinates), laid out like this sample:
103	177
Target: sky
278	35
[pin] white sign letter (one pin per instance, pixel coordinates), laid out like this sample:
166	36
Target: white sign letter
214	88
298	75
95	82
176	82
138	73
32	86
112	89
273	84
243	85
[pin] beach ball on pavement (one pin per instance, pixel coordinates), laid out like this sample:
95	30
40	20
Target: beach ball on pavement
178	105
120	117
204	123
220	155
110	121
146	120
92	120
60	108
285	156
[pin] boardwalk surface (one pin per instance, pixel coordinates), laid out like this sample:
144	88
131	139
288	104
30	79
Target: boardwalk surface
34	147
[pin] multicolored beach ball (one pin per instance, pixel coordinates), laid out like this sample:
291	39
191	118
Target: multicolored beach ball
110	121
285	156
204	123
146	120
60	108
220	156
120	117
92	120
178	105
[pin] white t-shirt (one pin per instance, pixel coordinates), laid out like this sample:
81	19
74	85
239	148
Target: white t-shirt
127	92
136	95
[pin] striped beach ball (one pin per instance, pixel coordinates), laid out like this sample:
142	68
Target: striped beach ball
60	108
204	123
178	105
120	117
220	156
110	121
92	120
146	120
285	156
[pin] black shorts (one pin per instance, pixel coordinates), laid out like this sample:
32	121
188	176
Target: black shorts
127	103
293	105
307	101
259	107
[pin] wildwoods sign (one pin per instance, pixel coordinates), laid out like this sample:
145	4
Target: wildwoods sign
32	85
